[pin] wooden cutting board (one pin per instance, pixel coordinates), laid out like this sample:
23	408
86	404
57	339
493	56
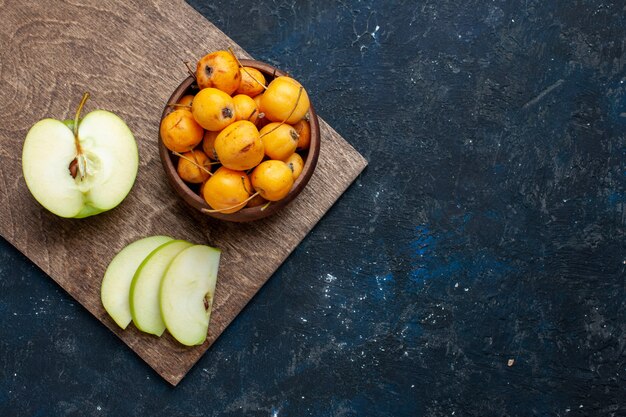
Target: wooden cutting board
128	55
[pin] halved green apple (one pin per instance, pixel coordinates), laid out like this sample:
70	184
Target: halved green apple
144	289
186	293
81	168
119	275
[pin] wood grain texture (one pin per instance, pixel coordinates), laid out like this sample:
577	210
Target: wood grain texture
128	55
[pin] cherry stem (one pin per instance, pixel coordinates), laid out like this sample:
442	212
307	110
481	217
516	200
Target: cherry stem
266	205
252	114
243	182
189	69
197	165
179	105
81	161
244	68
295	106
231	207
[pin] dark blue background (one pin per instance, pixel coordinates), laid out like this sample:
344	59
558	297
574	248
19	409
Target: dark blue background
489	226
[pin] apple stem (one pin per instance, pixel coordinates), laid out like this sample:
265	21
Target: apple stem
81	160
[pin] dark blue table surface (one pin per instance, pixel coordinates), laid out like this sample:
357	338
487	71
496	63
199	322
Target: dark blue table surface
476	268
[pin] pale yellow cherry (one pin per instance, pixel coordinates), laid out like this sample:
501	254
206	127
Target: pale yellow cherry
272	180
213	109
239	146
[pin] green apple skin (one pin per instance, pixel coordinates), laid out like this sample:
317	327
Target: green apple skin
113	161
186	293
70	124
115	288
88	211
144	288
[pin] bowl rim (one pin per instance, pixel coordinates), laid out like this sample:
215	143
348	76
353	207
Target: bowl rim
247	213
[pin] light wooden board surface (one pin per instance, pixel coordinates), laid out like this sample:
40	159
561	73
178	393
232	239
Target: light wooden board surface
128	55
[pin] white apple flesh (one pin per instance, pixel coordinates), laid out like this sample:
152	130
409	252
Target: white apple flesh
111	162
186	293
119	275
144	289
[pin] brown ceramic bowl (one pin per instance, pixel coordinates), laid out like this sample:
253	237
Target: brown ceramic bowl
189	193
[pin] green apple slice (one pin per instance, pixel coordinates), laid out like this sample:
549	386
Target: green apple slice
115	288
111	161
186	293
144	289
